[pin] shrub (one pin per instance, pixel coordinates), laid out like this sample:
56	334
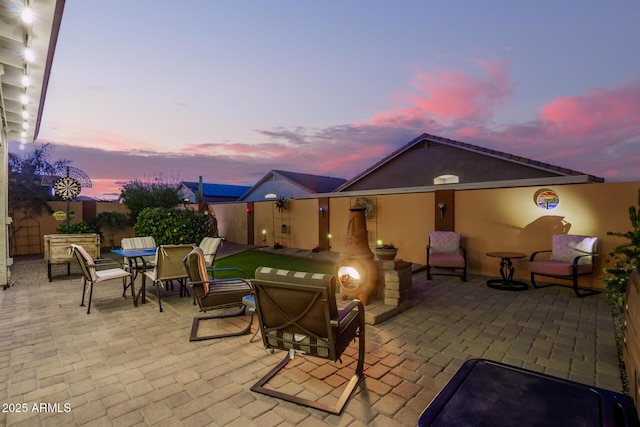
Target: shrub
79	228
626	258
171	226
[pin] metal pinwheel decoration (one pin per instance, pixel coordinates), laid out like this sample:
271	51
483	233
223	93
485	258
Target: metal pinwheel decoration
281	204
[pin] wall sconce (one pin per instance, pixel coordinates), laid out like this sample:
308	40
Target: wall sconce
264	237
322	210
329	239
248	210
441	207
284	228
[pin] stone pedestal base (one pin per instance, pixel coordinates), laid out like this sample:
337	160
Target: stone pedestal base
394	282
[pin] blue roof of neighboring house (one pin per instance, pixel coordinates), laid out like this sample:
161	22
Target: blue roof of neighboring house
217	190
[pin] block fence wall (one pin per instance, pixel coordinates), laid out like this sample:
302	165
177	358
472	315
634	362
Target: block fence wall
500	219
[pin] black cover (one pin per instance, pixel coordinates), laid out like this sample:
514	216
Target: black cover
487	393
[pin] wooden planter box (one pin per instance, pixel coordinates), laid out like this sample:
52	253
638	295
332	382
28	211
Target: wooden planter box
57	248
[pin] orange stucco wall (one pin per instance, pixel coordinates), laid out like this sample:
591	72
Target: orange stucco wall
508	219
502	219
232	221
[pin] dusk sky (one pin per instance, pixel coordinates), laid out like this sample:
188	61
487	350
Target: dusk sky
229	90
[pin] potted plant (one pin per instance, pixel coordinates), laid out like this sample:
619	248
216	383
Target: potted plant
386	251
62	215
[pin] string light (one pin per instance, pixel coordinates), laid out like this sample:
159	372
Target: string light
27	15
29	55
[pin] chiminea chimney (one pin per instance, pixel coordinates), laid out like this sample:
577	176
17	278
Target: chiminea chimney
356	269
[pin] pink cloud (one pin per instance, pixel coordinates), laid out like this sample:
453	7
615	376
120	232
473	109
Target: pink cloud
581	132
80	136
451	96
596	114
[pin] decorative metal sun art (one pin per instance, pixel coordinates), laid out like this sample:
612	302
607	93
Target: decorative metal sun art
281	204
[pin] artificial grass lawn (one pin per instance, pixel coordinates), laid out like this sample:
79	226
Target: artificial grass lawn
248	261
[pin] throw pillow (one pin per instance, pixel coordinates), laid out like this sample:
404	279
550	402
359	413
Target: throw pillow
568	246
443	242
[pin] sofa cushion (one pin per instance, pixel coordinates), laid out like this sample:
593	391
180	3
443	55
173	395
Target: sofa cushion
448	260
557	268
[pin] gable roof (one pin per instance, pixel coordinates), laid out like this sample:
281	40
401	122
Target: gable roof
312	183
294	184
433	140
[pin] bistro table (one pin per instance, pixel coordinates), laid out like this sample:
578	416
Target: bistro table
506	283
134	256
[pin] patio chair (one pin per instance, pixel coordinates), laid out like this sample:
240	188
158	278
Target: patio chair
215	294
571	256
138	264
92	275
446	255
298	314
145	242
169	267
209	246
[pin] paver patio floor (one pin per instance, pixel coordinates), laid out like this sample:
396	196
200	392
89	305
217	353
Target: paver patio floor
122	365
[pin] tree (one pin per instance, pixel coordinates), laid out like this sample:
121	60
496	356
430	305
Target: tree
27	192
138	195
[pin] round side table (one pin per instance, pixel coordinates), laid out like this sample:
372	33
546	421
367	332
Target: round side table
506	283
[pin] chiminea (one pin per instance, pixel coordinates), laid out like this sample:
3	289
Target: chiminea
357	271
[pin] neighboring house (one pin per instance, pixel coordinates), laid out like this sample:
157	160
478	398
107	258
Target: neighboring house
282	184
212	193
431	160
